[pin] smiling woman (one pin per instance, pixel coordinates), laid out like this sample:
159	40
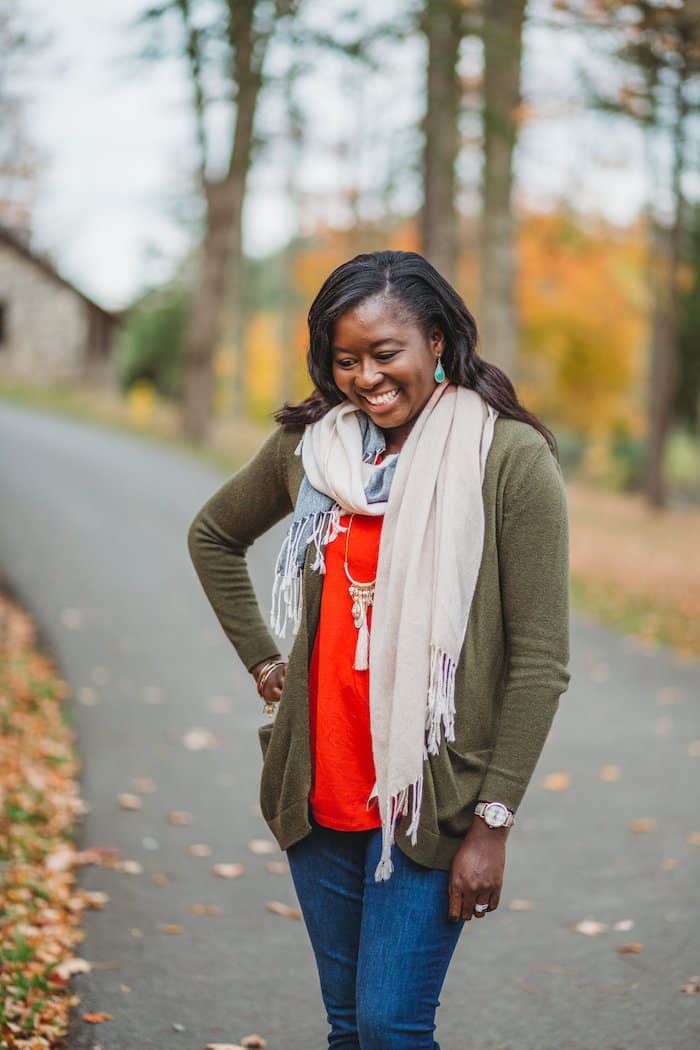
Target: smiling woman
384	364
425	576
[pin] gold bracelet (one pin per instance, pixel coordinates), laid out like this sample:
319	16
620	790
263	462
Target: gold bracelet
266	672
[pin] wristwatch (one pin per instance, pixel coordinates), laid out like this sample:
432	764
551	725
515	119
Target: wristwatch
496	814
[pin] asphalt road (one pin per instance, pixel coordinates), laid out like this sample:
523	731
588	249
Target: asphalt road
93	540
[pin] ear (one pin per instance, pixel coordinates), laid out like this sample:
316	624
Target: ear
437	342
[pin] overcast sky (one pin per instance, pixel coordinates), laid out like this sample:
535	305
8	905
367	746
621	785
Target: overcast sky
117	144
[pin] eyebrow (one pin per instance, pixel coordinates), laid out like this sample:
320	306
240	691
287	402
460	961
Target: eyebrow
372	346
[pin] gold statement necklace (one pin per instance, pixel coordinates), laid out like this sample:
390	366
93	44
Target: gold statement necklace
362	594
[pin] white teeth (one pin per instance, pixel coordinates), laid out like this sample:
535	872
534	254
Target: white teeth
384	399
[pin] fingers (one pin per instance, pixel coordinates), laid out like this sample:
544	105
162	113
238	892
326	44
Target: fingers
464	905
272	689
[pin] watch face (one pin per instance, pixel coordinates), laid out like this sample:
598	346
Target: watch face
496	814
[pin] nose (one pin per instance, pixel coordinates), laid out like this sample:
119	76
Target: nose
370	375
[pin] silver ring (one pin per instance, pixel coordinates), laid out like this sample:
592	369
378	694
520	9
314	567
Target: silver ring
480	907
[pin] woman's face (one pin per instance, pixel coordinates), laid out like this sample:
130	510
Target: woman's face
374	353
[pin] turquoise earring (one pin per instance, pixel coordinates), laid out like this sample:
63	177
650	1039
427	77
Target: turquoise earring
439	372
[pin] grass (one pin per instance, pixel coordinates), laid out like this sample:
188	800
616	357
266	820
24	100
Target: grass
632	568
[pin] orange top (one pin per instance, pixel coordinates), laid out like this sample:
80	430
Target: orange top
341	744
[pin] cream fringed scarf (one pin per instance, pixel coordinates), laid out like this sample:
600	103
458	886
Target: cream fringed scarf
430	551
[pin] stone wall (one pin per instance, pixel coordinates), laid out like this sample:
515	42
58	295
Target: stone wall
45	323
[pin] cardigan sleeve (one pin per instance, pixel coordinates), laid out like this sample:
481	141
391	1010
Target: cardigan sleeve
534	571
245	507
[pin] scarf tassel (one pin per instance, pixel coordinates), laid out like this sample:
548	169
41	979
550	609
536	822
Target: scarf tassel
286	588
441	698
399	804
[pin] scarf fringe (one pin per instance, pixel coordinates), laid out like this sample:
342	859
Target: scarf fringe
287	599
441	698
398	804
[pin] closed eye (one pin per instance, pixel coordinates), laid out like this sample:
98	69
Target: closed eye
380	357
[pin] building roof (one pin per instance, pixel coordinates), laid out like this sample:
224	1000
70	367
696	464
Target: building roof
11	239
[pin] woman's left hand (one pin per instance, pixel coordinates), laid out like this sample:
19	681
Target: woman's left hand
476	874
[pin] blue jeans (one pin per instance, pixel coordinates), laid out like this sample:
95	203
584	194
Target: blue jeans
382	948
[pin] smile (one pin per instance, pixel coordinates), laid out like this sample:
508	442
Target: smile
382	399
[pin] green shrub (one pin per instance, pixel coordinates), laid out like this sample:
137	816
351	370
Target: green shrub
152	340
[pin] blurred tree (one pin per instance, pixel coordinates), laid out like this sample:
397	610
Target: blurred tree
657	45
443	22
502	31
19	159
224	44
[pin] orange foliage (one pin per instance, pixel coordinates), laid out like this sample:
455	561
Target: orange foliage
583	305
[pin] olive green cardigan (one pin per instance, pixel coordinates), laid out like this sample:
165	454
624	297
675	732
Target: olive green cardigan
514	661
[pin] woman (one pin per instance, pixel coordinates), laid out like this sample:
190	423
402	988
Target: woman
425	579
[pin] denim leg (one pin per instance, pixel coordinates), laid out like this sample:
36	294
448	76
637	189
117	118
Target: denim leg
327	869
406	944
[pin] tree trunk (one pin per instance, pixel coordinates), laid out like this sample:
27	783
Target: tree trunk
221	264
439	228
502	39
665	258
204	326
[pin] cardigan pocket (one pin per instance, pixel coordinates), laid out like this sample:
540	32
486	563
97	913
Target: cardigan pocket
457	781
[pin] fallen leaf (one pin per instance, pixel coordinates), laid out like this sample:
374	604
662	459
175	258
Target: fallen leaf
610	773
590	927
136	933
694	748
100	675
96	899
97	1018
88	696
623	924
220	705
643	824
159	878
600	672
278	908
254	1040
178	817
171	927
127	801
693	838
692	986
177	1027
228	871
520	904
68	967
106	856
198	849
262	846
199	739
205	909
277	867
224	1046
630	949
670	695
131	867
152	694
557	781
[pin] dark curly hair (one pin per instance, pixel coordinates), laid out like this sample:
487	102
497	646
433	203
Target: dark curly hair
421	294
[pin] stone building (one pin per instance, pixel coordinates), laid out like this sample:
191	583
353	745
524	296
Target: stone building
49	330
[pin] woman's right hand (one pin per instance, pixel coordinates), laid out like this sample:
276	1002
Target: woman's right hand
272	690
